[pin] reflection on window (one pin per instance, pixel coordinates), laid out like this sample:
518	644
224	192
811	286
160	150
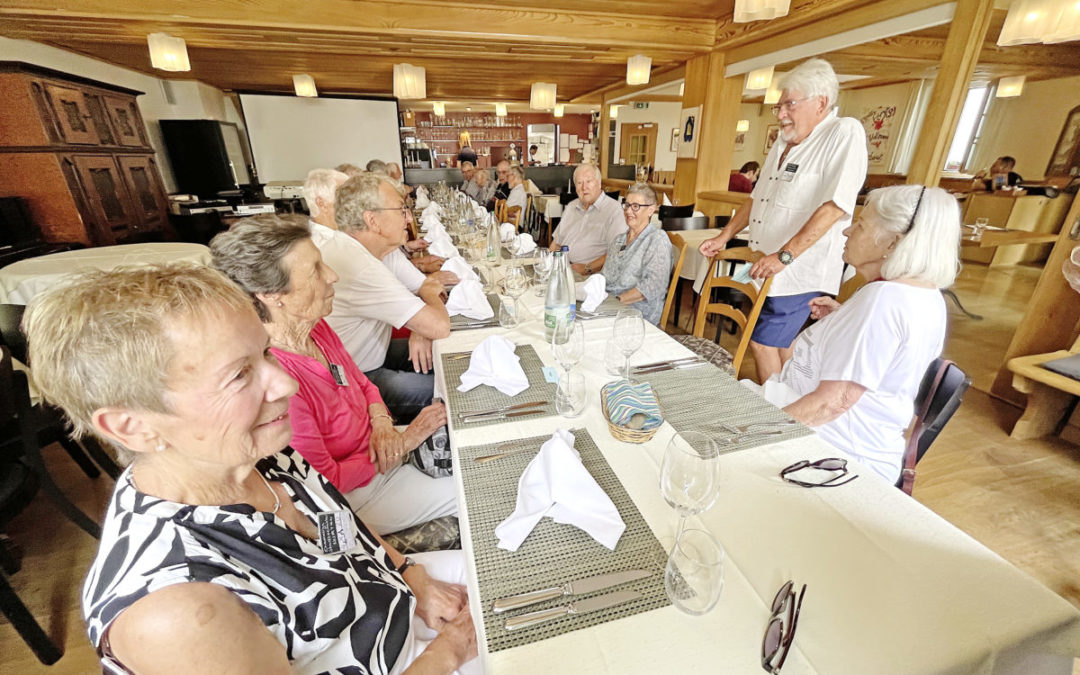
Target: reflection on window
967	129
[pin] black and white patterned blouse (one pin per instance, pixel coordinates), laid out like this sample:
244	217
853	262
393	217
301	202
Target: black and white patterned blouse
345	612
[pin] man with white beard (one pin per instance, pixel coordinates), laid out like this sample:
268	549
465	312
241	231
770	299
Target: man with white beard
802	203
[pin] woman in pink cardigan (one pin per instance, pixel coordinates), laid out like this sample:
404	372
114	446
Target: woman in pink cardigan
340	424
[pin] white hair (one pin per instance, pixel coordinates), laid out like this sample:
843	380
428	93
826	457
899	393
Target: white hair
813	78
321	183
929	227
588	167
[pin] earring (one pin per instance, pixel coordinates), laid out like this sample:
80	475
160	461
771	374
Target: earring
280	304
161	446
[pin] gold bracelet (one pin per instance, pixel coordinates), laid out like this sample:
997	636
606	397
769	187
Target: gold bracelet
386	415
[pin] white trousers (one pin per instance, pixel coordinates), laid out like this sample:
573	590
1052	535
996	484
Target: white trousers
401	498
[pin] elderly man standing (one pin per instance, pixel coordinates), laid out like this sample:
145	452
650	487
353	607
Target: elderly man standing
799	208
372	222
589	223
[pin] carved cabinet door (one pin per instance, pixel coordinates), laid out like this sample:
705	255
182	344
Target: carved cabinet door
144	184
126	120
72	115
110	202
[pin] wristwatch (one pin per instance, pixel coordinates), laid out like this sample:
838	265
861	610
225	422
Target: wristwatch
408	562
588	270
785	257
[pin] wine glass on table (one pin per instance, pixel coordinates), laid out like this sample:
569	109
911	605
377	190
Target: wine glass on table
568	348
515	283
628	335
690	474
542	270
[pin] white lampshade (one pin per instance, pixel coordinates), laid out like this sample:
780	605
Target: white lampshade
500	110
168	52
637	69
742	125
560	109
772	94
1068	24
759	10
542	96
1028	21
759	79
613	111
682	88
439	108
304	85
410	81
1010	86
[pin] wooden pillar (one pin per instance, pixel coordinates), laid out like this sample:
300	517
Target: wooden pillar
719	99
605	136
966	35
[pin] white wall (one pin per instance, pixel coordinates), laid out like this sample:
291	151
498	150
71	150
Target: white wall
193	100
753	146
1027	126
665	116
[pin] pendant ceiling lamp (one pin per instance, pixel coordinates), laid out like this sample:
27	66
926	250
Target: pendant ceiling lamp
759	79
410	81
772	94
542	96
613	111
168	52
500	110
304	85
637	69
1009	87
760	10
1048	21
560	109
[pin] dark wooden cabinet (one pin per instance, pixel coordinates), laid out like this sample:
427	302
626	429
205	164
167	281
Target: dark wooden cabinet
77	152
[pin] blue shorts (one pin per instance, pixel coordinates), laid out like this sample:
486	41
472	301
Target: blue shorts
781	319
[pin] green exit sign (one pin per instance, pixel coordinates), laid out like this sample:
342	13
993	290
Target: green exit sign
641	105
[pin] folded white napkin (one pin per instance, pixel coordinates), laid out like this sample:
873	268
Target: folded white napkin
434	208
495	364
442	247
434	228
429	221
523	243
422	200
591	292
557	484
468	299
667	202
459	267
507	231
479	212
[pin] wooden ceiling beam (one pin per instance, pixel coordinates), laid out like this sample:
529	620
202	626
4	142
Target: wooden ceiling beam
620	88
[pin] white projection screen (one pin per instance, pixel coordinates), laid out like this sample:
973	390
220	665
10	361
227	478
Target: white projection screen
290	135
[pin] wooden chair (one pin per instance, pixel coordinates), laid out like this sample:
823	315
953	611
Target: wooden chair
1050	395
500	210
679	244
683	211
709	350
848	288
940	394
512	215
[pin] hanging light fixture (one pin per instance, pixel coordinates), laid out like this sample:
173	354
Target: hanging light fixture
304	85
760	10
742	125
1009	87
438	108
637	69
1048	21
559	109
168	52
410	81
500	110
772	94
759	79
613	111
542	96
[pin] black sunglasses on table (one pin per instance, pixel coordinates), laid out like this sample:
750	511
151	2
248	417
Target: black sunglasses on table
828	464
780	632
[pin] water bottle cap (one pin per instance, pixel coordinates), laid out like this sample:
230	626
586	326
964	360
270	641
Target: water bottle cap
565	249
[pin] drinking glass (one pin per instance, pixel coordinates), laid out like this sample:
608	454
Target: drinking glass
515	283
694	575
568	344
980	226
628	336
571	394
613	357
542	270
690	474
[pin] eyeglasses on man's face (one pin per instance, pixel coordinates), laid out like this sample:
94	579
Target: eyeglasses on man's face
403	209
635	207
788	105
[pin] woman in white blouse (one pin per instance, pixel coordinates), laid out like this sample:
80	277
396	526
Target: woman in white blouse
517	188
853	376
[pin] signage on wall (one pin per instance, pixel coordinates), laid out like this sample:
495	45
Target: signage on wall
878	122
689	130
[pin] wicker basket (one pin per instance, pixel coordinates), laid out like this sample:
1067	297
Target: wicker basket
626	434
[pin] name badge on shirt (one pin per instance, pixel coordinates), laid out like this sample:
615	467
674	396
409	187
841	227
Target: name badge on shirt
788	174
335	531
338	374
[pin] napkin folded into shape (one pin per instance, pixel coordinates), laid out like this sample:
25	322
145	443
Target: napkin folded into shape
592	292
523	243
625	399
557	484
468	299
460	268
495	364
422	200
507	232
442	247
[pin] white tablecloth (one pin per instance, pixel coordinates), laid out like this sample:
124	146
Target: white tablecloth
891	587
549	205
20	282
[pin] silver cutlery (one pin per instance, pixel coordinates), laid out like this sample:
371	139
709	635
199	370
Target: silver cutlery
576	587
677	366
577	607
491	458
474	324
767	425
504	409
458	357
501	416
669	362
585	316
739	438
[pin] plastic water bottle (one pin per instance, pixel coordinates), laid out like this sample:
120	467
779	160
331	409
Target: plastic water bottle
570	281
558	307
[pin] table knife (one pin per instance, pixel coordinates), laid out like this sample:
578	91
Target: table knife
669	362
676	366
509	408
578	607
503	415
578	587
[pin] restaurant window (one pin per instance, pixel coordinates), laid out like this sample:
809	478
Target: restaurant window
968	129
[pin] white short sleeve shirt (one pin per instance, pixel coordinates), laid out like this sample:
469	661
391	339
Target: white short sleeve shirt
404	270
589	232
884	338
828	165
368	298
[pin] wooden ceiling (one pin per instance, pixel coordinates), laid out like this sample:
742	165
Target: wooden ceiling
483	51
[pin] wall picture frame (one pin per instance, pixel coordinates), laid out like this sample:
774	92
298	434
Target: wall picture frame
771	133
689	131
674	140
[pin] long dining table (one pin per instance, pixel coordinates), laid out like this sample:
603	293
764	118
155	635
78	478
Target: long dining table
891	586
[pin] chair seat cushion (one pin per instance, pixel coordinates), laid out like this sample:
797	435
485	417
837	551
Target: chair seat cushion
440	534
708	350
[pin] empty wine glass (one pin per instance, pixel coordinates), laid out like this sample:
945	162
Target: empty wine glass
690	474
542	270
694	575
568	344
629	333
515	283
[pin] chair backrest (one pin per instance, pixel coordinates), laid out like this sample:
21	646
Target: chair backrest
512	215
690	223
500	210
848	288
679	245
721	221
614	194
683	211
940	394
8	403
706	306
11	334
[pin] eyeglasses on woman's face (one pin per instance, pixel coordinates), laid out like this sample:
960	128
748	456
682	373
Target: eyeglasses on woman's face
634	207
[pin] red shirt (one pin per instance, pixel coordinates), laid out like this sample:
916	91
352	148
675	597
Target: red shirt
739	183
331	426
